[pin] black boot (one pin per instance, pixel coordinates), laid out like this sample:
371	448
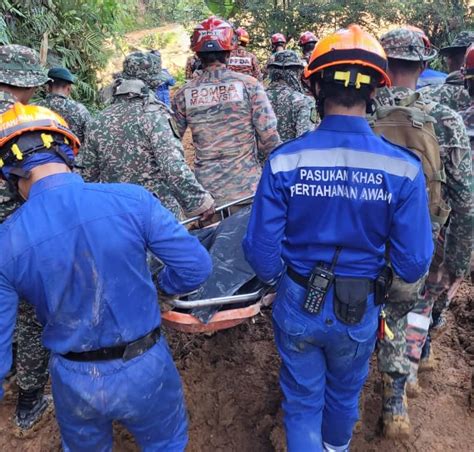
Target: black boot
30	408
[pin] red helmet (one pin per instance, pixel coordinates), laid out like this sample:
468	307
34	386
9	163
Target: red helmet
306	38
278	38
213	35
468	70
242	35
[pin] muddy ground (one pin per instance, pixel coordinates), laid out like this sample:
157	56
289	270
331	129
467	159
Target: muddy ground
231	385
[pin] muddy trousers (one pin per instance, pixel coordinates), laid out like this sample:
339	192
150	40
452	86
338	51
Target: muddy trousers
408	317
144	394
324	366
31	358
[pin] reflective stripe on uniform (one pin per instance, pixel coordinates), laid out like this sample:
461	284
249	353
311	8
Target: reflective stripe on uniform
342	157
418	321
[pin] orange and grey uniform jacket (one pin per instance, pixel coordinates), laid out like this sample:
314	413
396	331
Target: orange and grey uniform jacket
242	61
233	127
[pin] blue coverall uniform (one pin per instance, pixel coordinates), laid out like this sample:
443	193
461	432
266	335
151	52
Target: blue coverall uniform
78	252
337	186
431	77
163	90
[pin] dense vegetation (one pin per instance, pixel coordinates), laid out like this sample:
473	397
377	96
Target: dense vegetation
78	33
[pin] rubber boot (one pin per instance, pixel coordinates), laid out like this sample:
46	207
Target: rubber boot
427	361
396	423
439	323
30	408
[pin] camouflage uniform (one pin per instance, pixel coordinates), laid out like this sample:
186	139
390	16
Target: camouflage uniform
242	61
452	93
456	158
20	67
468	118
232	124
133	141
295	112
193	67
76	115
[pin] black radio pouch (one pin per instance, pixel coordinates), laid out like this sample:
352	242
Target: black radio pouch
350	299
382	285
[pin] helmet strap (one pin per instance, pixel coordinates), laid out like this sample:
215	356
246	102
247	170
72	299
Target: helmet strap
12	182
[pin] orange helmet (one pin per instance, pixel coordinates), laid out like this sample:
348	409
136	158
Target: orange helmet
242	35
351	46
213	35
47	129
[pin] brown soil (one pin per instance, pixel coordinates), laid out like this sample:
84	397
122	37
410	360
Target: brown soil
231	385
173	56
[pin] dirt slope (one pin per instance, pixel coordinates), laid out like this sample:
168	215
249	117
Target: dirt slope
231	384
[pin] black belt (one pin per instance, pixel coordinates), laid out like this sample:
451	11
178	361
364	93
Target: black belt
297	278
123	351
303	280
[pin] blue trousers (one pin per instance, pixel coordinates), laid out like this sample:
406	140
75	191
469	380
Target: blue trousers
324	366
144	394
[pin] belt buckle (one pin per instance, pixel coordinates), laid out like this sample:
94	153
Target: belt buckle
138	347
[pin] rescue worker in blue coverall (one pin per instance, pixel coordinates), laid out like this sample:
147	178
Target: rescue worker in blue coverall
79	252
333	198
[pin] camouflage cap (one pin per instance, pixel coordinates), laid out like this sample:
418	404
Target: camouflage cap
20	66
157	53
404	44
462	41
286	58
142	66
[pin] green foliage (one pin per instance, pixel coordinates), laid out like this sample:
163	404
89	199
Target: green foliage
441	19
222	8
159	12
76	31
180	77
159	40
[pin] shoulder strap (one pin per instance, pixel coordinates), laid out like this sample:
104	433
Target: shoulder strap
407	101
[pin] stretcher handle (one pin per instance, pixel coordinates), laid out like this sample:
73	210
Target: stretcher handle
219	209
218	301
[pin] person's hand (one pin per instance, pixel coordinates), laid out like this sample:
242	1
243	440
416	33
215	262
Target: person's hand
166	301
207	214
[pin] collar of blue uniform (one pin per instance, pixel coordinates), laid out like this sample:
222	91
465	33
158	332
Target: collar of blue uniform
342	123
56	180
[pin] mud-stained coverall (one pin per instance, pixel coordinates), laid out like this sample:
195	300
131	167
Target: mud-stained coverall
339	186
78	251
